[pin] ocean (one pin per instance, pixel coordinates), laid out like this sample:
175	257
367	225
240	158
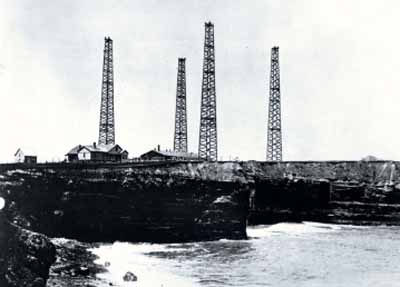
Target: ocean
285	254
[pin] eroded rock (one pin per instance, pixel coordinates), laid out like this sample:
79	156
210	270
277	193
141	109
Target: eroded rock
25	256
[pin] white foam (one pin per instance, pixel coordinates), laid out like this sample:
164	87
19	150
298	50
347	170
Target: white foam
337	226
2	203
60	240
226	240
150	270
329	226
291	229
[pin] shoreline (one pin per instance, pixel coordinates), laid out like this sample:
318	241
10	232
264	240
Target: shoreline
79	264
75	265
186	202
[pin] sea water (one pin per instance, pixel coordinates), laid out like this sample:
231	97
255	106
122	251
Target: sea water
286	254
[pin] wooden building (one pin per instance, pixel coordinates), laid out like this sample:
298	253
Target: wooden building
94	152
25	156
159	155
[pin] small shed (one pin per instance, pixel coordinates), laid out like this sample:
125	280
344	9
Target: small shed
25	156
72	155
124	155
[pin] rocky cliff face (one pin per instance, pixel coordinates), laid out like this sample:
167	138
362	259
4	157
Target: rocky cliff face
25	256
169	203
288	199
377	172
194	201
339	192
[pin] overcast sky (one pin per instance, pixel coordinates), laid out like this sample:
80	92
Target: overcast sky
340	69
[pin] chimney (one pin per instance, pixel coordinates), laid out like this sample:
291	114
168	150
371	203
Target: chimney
94	144
158	147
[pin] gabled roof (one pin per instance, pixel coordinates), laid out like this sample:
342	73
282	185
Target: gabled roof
75	150
95	148
116	149
171	153
370	158
103	148
26	151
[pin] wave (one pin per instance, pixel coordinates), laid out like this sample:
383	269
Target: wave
122	257
291	229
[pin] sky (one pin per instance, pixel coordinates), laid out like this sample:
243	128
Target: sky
339	60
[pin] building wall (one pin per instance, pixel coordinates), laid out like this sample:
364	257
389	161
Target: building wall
154	157
112	157
98	156
19	157
84	154
30	159
72	157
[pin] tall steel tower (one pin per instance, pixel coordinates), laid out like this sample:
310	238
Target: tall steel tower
274	134
180	136
208	115
107	127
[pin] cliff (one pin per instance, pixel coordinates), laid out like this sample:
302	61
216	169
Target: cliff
340	192
166	202
169	202
159	203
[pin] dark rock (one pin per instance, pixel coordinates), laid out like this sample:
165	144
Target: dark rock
25	256
39	282
129	277
74	266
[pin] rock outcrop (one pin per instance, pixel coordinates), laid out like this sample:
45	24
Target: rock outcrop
74	265
25	256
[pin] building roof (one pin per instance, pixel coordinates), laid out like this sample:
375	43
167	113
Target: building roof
74	150
172	153
370	158
96	148
99	148
26	151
